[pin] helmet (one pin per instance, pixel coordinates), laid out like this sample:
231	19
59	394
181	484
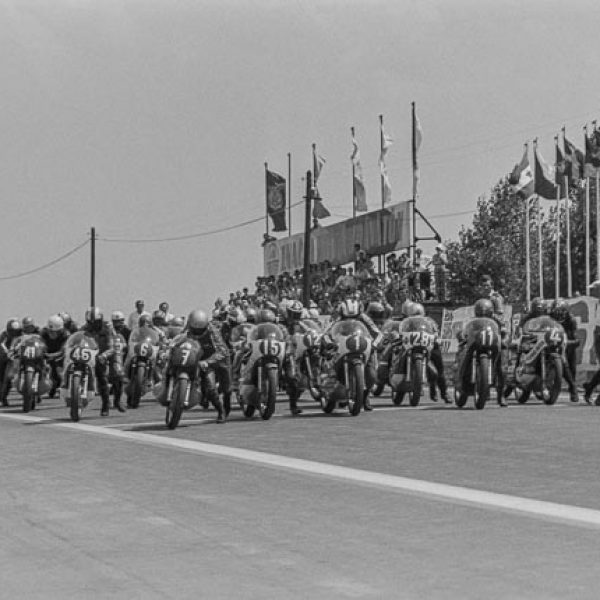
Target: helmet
266	316
559	309
375	310
270	306
484	308
350	308
236	315
251	315
28	324
538	307
177	322
294	310
13	326
117	316
65	316
159	318
417	310
313	313
55	323
406	307
197	322
93	315
216	314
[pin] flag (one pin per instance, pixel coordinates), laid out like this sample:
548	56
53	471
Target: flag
521	178
417	139
360	194
560	172
276	200
573	163
319	210
386	142
545	176
591	165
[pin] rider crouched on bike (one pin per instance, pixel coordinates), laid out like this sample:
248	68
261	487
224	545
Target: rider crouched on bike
55	337
215	356
352	309
108	363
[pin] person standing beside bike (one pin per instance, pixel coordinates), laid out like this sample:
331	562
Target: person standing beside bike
55	337
8	337
559	311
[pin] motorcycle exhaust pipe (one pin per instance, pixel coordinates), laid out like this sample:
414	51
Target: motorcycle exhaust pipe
346	374
259	379
408	369
474	370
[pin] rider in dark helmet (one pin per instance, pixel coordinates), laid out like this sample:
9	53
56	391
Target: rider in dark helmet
538	308
559	311
8	338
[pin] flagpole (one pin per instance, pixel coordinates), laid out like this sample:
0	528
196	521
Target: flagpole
557	264
381	262
587	219
289	194
527	255
413	233
597	225
353	181
266	203
539	224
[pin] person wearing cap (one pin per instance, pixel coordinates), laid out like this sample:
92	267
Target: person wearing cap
134	317
439	262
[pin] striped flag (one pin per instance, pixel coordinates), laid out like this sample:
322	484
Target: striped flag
360	194
386	142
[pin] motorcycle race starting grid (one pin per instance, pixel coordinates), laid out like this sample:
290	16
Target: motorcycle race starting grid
563	513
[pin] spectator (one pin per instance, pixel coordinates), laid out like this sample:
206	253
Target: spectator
439	262
134	317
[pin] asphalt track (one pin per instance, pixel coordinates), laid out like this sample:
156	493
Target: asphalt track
433	502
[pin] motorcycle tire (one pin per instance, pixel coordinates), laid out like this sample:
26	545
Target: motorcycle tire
75	409
327	405
460	398
398	397
552	385
482	382
248	410
175	406
4	390
137	385
522	395
28	394
269	395
379	389
417	381
357	389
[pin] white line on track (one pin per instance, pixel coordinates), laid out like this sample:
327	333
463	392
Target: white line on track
573	515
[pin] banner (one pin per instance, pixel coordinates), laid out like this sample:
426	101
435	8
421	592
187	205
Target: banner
381	231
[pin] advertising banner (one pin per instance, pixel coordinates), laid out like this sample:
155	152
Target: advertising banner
377	232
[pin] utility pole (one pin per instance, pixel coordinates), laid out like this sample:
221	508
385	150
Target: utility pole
306	276
93	268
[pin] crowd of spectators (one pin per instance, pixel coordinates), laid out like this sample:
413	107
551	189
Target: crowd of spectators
423	280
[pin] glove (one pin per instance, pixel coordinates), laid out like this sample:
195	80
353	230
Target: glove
203	365
101	359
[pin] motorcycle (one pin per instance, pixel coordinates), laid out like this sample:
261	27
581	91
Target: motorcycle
266	351
410	367
7	356
181	380
390	332
307	356
144	346
343	383
79	379
32	379
540	366
478	364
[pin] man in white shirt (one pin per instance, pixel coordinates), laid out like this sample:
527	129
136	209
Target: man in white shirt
132	321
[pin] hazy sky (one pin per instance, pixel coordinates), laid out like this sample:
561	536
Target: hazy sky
153	118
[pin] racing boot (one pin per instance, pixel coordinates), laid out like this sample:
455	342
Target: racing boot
502	401
294	405
227	403
587	392
117	391
444	389
432	392
221	416
105	404
573	395
367	402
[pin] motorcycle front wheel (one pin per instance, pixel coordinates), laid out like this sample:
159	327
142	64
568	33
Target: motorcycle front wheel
28	393
138	385
551	386
356	391
417	381
482	382
76	409
268	395
175	406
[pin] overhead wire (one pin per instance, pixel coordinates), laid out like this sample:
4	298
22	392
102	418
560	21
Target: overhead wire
46	265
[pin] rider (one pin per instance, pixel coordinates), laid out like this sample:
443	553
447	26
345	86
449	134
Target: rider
377	312
69	324
417	309
559	311
55	337
352	309
29	326
483	308
214	356
118	321
251	314
107	360
8	337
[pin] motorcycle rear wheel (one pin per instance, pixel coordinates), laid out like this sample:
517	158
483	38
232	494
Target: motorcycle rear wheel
269	394
75	409
482	382
417	381
522	395
175	406
356	390
379	389
398	397
27	391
